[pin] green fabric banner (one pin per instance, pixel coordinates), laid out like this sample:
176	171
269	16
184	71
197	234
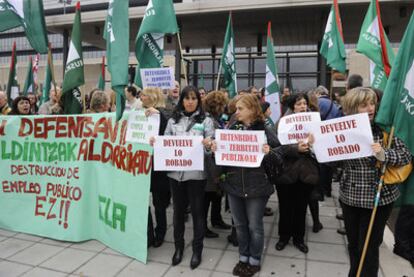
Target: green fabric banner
75	178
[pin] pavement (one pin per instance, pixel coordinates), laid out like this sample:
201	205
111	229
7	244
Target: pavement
27	255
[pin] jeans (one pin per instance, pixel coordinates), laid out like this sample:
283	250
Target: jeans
356	225
247	214
193	190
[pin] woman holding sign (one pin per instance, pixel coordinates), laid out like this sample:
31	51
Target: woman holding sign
294	186
248	189
358	186
188	119
153	101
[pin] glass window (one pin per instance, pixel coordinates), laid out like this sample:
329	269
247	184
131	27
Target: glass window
303	64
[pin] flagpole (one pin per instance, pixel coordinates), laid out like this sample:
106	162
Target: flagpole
52	70
218	77
182	58
374	211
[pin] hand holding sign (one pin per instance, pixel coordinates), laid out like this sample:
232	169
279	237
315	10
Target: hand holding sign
296	127
344	138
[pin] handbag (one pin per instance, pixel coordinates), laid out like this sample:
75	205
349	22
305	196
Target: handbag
396	174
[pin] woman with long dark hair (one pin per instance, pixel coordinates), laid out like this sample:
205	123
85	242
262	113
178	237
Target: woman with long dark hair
188	119
21	106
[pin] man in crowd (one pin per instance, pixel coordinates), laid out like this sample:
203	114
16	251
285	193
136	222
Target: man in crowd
172	98
132	103
4	106
54	96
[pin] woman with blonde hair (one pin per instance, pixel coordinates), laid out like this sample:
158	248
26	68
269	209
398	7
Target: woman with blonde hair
153	102
99	102
248	189
358	186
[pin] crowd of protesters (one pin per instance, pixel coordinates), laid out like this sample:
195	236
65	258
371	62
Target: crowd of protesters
300	181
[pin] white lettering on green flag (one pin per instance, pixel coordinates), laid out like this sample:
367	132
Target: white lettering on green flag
75	178
159	20
74	69
117	48
397	104
228	60
369	44
332	47
272	79
29	15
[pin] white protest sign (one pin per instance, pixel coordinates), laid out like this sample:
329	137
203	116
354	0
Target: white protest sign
239	148
157	77
295	127
141	128
344	138
178	153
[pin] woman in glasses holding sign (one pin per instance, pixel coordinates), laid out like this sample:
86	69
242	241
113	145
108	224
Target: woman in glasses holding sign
188	119
358	186
248	189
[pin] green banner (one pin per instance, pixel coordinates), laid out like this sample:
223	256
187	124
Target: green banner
75	178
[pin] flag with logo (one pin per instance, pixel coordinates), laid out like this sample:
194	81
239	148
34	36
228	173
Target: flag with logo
12	85
374	44
116	35
332	47
28	14
228	60
74	70
272	79
101	79
29	83
397	104
159	19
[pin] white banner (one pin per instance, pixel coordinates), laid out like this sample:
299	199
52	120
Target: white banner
344	138
141	127
296	127
178	153
158	77
239	148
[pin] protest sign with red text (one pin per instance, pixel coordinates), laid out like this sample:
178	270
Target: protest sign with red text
344	138
178	153
296	127
239	148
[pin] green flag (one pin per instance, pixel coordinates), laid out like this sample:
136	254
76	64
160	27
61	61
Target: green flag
117	48
374	44
159	20
74	70
29	83
228	61
12	85
397	104
332	47
272	79
101	79
28	14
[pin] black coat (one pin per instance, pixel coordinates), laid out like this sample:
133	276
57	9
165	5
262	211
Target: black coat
250	182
